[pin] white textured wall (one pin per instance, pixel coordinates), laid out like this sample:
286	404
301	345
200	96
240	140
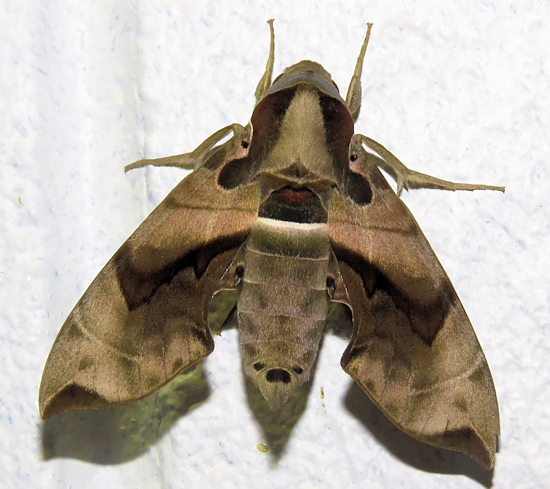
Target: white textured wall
456	89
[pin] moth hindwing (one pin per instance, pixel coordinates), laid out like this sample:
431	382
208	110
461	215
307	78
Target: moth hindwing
293	213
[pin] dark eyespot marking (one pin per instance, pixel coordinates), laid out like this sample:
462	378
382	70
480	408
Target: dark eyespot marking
353	157
235	173
258	366
298	370
245	144
331	286
278	375
359	188
239	272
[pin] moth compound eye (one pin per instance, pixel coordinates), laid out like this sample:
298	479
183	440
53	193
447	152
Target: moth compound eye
353	157
245	144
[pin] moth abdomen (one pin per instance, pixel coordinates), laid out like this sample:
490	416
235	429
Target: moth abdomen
283	303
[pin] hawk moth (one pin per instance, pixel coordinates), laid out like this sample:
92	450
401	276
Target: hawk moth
293	213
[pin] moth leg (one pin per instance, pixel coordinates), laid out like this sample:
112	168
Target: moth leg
265	80
407	178
353	97
195	159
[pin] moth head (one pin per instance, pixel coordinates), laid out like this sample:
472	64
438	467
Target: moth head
305	72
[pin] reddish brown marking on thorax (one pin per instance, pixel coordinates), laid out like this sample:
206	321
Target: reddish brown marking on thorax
296	194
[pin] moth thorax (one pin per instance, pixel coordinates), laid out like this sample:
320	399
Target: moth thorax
283	303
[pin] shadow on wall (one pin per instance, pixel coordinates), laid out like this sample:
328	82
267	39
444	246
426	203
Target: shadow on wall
414	453
114	436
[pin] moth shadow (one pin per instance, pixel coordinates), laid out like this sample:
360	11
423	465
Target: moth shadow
115	436
417	454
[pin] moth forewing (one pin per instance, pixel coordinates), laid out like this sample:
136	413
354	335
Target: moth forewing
292	212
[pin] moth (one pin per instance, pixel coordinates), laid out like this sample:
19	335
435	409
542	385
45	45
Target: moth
293	213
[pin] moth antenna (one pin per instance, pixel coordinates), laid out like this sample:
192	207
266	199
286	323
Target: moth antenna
353	98
265	80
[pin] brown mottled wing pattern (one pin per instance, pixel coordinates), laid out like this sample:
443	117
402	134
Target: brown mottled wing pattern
413	349
143	319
